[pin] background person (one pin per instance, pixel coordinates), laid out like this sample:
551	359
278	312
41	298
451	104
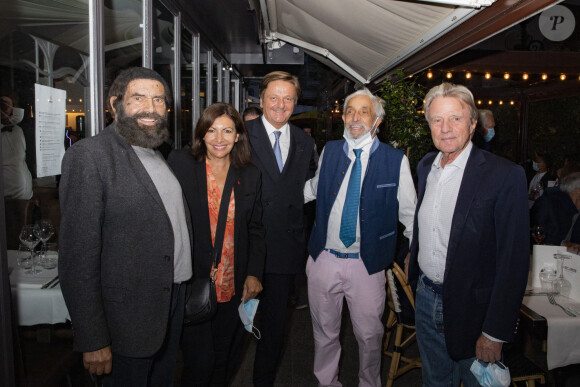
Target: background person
543	178
284	155
17	177
470	247
124	247
485	130
211	350
252	113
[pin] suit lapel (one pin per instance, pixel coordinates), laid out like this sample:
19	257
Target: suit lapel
472	178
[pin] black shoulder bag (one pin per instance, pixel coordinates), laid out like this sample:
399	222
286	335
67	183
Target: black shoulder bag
201	299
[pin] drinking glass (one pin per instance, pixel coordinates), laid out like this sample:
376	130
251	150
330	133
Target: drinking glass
30	240
548	275
538	234
44	230
23	258
562	285
49	257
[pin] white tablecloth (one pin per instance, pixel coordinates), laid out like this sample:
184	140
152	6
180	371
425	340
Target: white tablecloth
32	304
563	330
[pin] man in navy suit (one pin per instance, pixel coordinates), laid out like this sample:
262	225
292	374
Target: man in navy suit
285	156
470	246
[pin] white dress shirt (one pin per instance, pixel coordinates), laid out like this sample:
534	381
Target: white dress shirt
436	213
405	195
284	137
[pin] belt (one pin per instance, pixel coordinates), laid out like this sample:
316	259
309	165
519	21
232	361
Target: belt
436	288
338	254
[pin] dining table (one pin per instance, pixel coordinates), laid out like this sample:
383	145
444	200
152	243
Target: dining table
32	303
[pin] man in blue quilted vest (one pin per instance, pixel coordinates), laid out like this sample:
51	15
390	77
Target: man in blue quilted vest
362	187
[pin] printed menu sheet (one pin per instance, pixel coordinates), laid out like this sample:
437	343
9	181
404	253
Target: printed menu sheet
50	129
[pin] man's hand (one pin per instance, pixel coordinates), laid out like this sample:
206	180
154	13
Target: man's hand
488	350
252	287
407	259
99	362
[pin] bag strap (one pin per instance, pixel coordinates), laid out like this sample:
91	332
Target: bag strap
221	224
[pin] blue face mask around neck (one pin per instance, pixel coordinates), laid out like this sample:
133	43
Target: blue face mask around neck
247	311
491	374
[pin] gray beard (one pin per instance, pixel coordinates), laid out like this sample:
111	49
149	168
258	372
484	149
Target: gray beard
143	136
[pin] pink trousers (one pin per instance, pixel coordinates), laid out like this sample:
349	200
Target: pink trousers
330	280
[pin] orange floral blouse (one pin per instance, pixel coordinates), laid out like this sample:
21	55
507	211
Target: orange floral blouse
225	271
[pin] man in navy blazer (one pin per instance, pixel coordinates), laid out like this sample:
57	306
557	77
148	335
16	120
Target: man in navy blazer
470	246
284	154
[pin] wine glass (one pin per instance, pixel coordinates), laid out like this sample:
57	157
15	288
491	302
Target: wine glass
538	234
29	238
562	285
44	230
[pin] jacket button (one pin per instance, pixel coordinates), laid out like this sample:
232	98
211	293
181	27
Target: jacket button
342	173
338	183
167	258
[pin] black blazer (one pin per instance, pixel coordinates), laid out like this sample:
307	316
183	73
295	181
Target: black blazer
488	255
249	246
283	196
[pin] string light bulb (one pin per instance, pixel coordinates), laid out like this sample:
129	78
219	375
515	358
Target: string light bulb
511	102
544	76
525	76
449	75
490	102
506	76
479	102
429	74
487	75
562	77
468	75
500	102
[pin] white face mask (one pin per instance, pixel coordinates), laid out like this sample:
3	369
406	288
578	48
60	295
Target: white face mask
491	374
247	311
363	140
16	117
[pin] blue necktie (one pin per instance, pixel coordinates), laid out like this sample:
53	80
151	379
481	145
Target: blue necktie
277	151
350	209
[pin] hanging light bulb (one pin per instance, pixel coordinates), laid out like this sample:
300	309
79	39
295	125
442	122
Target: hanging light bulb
544	76
449	75
467	75
500	102
511	102
487	75
429	74
562	77
525	76
506	76
490	102
479	102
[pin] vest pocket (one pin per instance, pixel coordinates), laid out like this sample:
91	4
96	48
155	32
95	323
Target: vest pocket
386	235
387	185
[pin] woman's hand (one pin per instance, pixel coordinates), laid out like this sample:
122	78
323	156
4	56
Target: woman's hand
252	287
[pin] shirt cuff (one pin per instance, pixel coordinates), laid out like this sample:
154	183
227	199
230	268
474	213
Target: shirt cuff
492	338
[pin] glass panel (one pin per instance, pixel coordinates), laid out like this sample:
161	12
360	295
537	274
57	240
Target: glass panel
203	83
186	88
215	82
163	57
123	39
45	42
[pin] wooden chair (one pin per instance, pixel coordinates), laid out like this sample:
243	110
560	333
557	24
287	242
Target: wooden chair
404	327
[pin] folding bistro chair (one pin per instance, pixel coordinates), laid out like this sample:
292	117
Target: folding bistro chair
401	320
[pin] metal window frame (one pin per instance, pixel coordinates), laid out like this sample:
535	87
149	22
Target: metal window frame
96	119
220	80
209	75
226	85
177	79
196	77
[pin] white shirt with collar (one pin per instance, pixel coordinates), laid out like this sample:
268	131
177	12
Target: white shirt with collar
405	195
284	137
436	213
